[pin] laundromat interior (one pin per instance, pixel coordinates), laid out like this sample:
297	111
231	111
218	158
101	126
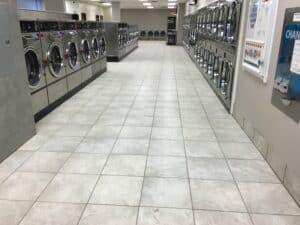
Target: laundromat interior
150	112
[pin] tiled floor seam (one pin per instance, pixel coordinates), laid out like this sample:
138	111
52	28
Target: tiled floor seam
186	158
228	166
99	176
147	156
36	200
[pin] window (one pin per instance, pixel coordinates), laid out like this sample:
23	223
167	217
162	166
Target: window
83	16
29	4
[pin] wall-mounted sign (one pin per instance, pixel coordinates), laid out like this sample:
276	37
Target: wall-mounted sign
259	37
286	91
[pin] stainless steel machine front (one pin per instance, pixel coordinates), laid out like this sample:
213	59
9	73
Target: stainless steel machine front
85	50
61	57
33	58
71	54
53	59
117	38
210	38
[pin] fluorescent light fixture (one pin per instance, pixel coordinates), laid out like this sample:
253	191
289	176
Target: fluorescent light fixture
147	3
172	3
150	7
143	0
106	3
172	0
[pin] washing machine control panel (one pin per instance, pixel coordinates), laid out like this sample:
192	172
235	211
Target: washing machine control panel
48	26
28	26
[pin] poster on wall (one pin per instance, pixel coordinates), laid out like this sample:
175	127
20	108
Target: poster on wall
259	37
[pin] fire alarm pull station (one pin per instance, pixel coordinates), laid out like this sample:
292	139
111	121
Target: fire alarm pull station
286	91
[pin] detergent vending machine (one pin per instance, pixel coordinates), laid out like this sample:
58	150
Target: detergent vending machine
286	92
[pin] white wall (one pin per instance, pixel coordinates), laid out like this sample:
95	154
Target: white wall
90	9
154	19
116	11
107	14
272	131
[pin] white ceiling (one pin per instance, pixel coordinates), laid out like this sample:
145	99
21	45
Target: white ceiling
136	4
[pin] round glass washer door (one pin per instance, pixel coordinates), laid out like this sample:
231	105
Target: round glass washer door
86	53
73	54
95	48
103	46
56	60
33	68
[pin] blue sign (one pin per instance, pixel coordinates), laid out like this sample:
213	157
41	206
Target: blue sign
291	32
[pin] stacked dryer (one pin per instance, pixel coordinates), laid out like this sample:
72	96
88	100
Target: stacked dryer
212	43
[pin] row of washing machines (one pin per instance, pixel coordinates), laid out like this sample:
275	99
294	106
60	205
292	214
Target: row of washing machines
122	39
211	39
61	58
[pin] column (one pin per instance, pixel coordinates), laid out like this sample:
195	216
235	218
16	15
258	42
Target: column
16	119
116	11
179	22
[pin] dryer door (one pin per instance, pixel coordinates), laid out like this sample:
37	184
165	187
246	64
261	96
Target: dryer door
33	68
55	60
232	22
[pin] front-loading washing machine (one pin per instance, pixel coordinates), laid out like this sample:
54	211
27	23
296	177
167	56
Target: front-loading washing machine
71	55
95	46
85	51
53	60
33	58
102	44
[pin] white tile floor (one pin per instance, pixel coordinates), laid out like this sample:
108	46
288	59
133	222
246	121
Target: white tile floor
148	143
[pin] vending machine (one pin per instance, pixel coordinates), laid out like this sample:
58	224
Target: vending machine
286	91
171	39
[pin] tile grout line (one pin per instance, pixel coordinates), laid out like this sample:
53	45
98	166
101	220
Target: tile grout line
227	163
147	157
185	153
55	174
108	156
